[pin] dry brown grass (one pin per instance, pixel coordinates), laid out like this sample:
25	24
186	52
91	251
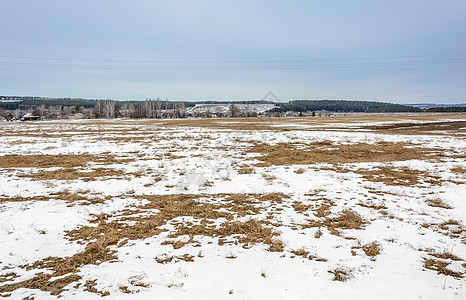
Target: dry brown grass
450	228
437	202
323	210
42	282
371	249
300	171
89	286
299	207
74	174
459	170
441	267
140	223
404	176
247	233
305	254
347	219
318	233
8	277
446	255
83	198
301	252
371	205
60	160
45	161
246	170
341	274
292	154
419	128
317	123
164	259
22	199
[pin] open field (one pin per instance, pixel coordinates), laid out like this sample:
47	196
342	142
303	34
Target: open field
362	206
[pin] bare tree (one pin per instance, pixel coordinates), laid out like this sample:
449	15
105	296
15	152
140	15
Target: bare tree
110	109
98	109
234	111
17	113
158	108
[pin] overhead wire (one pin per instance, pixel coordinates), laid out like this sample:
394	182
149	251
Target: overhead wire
77	63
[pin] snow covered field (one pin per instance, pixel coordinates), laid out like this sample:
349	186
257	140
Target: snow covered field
326	208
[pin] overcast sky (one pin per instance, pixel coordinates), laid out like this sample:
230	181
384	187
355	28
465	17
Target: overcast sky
397	51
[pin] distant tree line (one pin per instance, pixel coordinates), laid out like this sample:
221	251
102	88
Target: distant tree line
156	108
447	109
59	108
344	106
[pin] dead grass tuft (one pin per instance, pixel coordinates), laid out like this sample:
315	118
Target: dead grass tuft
89	286
371	249
459	170
246	170
446	255
341	274
8	277
300	252
276	245
164	259
299	207
322	211
437	202
318	233
372	205
441	267
299	171
347	219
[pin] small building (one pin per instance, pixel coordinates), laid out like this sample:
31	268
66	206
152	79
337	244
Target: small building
76	116
30	117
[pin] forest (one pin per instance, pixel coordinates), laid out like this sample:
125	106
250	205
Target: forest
344	106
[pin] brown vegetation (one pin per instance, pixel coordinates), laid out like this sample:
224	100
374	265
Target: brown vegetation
140	223
441	267
404	176
347	219
59	160
73	174
418	128
323	152
371	249
341	274
437	202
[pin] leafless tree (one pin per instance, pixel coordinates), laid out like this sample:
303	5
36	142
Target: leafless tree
234	111
110	109
98	109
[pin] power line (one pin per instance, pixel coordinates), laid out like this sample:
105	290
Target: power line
232	62
412	60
